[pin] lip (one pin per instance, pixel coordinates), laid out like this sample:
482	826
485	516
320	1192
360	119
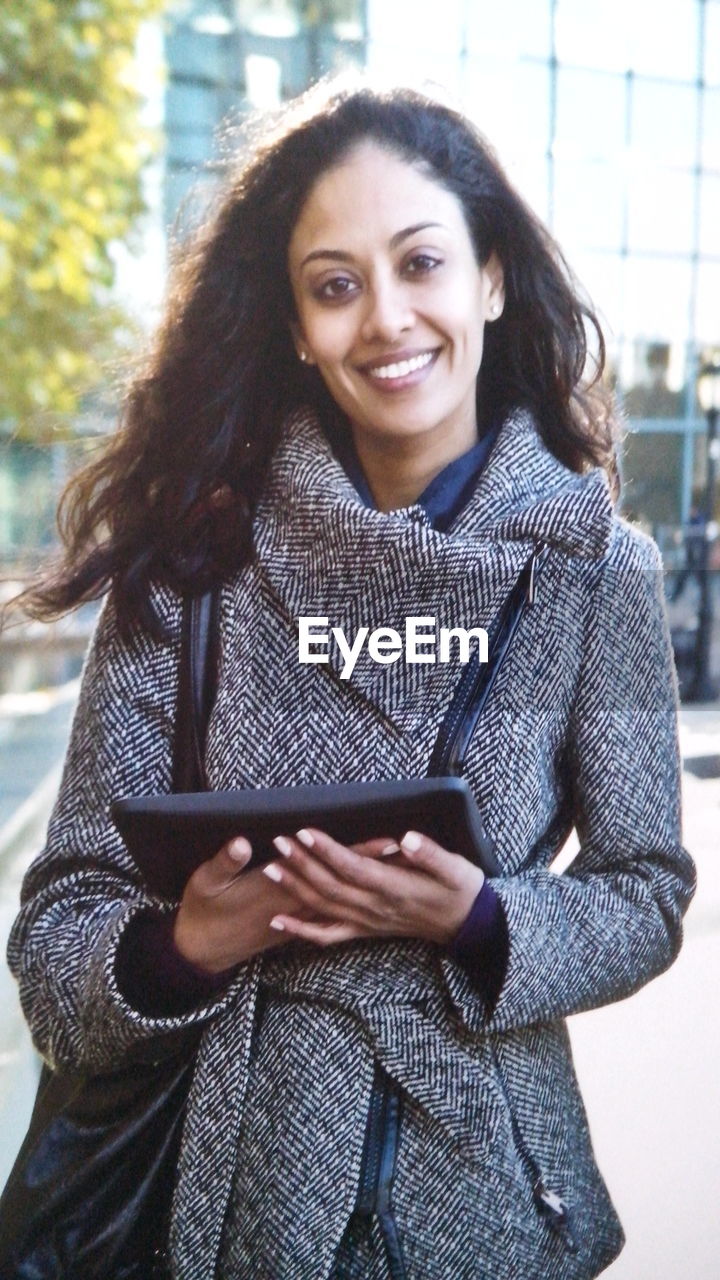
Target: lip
369	368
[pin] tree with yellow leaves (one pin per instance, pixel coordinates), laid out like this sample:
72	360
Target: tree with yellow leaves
71	153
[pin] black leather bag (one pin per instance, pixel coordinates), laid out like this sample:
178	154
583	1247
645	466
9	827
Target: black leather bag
89	1195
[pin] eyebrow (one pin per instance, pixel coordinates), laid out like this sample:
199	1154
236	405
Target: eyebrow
339	255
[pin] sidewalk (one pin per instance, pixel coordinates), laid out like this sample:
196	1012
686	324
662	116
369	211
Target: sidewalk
648	1068
33	732
19	1065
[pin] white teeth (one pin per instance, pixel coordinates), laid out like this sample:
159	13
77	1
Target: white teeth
403	367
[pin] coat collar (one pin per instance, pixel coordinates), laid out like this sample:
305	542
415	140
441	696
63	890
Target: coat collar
524	493
321	552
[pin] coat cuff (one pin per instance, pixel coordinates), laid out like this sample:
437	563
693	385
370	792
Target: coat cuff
481	946
154	977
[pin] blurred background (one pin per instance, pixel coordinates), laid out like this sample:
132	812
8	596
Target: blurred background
606	114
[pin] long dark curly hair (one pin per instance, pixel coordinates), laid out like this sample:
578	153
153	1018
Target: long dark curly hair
171	498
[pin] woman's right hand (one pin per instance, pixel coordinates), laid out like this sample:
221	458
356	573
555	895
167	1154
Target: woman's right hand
225	913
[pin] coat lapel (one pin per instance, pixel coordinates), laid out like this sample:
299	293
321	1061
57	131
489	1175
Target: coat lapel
321	553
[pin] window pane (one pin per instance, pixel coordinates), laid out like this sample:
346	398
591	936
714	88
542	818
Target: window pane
711	129
707	309
600	275
663	38
390	63
712	44
515	29
269	17
413	30
664	122
193	55
588	206
191	109
710	216
592	33
652	470
661	211
530	176
617	36
590	114
521	129
654	380
657	298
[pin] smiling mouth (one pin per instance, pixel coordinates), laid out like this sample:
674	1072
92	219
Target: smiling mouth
401	368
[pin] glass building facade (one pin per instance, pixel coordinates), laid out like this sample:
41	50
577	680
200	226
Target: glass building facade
228	57
606	114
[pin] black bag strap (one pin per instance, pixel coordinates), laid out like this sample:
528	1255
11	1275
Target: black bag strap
196	689
476	682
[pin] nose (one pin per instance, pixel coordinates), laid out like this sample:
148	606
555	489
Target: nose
388	312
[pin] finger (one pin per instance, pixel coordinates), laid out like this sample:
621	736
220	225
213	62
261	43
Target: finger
312	883
345	864
339	875
383	847
239	851
323	935
424	854
217	872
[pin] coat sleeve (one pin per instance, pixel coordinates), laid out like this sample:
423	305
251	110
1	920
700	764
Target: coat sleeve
612	920
83	889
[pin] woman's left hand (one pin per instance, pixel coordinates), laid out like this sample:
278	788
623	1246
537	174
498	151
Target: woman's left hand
420	891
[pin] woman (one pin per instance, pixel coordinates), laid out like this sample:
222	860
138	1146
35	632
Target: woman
367	404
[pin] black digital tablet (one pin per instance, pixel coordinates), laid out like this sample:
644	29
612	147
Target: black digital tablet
168	836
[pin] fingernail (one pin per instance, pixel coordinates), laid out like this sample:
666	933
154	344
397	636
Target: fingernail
306	838
283	846
239	848
389	848
411	842
277	924
272	872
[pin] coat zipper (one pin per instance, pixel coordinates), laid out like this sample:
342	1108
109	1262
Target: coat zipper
474	687
383	1126
448	757
378	1166
549	1204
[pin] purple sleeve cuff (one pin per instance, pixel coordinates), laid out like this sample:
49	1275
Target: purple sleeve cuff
154	977
481	945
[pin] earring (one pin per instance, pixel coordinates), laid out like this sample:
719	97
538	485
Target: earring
495	309
303	356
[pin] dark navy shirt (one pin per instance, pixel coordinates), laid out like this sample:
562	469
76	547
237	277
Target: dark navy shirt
447	493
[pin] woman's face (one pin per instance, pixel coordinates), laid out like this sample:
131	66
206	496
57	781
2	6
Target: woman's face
391	303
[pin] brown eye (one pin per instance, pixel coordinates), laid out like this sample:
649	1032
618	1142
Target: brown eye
421	264
337	289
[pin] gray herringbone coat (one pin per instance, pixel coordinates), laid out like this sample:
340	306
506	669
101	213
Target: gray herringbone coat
581	730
